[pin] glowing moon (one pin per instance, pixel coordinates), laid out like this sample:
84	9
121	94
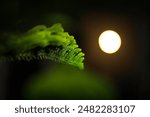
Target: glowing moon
109	41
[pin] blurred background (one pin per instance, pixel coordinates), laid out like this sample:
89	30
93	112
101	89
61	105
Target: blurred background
122	75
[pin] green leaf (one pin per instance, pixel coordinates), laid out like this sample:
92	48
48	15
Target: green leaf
44	43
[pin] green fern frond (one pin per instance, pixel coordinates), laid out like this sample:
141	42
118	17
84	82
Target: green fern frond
43	42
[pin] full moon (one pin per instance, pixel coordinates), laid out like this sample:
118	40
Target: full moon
109	41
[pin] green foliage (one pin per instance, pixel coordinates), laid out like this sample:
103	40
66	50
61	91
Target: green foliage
43	42
66	82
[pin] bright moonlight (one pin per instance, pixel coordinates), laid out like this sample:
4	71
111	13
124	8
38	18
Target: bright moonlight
109	41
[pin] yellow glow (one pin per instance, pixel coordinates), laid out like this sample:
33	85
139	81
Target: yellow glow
109	41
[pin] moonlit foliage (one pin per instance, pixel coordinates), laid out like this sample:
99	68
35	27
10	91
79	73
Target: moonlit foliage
43	42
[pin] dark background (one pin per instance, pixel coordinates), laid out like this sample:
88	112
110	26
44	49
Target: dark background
128	69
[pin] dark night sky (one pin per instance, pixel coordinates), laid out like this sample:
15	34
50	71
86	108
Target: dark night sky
129	68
